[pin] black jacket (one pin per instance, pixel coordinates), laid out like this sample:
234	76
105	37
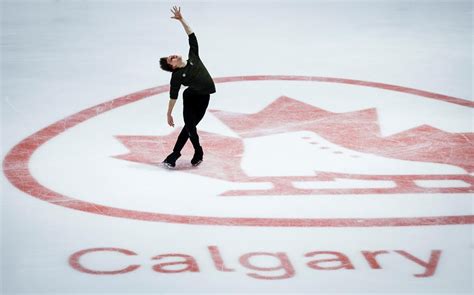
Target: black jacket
194	74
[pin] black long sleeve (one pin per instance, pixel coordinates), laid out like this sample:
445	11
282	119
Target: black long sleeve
194	74
193	45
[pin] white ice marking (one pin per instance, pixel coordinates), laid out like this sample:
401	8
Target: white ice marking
289	154
442	183
344	183
252	185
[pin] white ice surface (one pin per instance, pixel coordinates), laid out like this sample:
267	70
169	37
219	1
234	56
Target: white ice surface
59	57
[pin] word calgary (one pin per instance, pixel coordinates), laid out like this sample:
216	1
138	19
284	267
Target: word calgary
259	265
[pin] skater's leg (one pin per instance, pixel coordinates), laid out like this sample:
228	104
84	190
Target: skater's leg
181	141
191	116
190	127
170	160
194	137
193	112
196	113
200	107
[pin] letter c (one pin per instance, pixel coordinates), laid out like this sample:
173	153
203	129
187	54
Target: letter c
74	261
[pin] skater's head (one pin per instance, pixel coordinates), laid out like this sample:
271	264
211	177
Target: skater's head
171	62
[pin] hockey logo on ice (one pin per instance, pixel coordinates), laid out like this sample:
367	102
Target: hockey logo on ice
279	151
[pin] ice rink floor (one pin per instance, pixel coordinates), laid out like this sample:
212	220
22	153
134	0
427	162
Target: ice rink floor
339	149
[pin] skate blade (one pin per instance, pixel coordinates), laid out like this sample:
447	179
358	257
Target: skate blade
169	166
197	164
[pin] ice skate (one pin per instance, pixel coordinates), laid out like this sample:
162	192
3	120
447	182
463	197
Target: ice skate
170	161
197	158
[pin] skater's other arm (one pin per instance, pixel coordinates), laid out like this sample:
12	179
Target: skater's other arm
171	104
177	15
175	85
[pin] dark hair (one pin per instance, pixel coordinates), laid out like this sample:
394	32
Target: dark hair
165	66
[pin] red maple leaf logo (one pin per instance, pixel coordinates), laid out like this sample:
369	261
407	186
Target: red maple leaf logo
358	131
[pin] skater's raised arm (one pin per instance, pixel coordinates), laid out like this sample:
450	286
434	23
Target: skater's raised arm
177	15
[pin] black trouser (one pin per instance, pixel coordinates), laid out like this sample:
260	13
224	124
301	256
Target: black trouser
194	108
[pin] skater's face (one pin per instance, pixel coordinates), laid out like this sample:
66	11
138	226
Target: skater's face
174	60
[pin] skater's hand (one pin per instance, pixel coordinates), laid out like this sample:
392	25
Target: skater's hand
170	120
177	13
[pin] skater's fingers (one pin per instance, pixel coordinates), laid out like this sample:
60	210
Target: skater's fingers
170	121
